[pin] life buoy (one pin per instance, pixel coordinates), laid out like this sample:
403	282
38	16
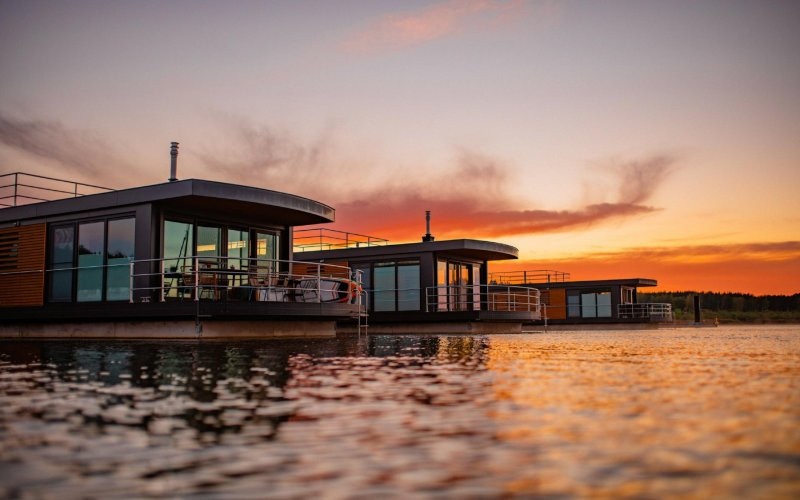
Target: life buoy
352	293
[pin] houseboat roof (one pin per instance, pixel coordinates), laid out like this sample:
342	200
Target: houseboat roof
475	249
631	282
189	194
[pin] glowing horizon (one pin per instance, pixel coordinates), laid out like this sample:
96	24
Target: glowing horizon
616	140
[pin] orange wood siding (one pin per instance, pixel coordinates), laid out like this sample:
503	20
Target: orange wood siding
22	249
327	269
556	301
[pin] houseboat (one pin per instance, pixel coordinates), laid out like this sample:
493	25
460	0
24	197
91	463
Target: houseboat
590	302
428	286
182	259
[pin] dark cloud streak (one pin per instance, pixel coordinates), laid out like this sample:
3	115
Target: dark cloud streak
76	151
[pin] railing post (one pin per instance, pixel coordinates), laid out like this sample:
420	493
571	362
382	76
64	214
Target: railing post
163	279
544	311
196	278
319	283
16	183
130	285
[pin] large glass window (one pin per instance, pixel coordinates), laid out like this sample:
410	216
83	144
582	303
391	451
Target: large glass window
101	253
574	306
121	237
178	248
460	293
62	251
209	240
408	286
396	286
384	286
91	238
441	284
266	251
238	251
604	305
588	305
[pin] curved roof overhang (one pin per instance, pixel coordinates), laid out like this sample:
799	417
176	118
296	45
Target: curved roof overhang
191	194
472	249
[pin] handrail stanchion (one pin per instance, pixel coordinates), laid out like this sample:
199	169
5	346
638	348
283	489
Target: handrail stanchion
319	282
196	278
163	279
544	309
130	285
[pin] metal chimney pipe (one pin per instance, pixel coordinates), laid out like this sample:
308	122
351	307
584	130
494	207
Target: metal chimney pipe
427	236
427	222
173	166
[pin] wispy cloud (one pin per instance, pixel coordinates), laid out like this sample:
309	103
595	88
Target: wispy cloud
78	152
399	30
471	208
767	251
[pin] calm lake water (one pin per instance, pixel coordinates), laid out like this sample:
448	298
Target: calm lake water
689	412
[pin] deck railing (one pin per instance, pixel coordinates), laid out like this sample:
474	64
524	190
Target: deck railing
223	278
646	310
20	188
446	298
306	240
536	276
247	279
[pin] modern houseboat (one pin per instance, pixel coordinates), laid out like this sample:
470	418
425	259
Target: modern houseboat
189	258
429	286
601	302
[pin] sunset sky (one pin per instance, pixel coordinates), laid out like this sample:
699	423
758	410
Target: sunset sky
604	138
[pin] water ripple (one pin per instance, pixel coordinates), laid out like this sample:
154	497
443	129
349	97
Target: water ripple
692	413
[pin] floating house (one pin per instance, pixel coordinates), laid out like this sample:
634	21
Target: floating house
427	287
189	258
599	302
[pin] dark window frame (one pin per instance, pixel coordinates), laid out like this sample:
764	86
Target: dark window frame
75	224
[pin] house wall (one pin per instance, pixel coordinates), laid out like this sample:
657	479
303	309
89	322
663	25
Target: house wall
22	249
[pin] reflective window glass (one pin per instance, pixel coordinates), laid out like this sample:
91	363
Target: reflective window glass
208	242
62	250
91	242
121	235
238	250
588	305
178	245
441	284
384	287
408	287
573	306
604	305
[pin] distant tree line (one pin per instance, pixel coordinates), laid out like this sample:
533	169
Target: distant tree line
740	307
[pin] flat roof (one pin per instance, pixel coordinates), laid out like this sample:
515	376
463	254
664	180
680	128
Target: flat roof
474	249
635	282
227	199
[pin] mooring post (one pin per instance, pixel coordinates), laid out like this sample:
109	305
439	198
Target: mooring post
697	318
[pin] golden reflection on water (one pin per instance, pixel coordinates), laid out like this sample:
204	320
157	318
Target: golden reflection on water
684	412
667	413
